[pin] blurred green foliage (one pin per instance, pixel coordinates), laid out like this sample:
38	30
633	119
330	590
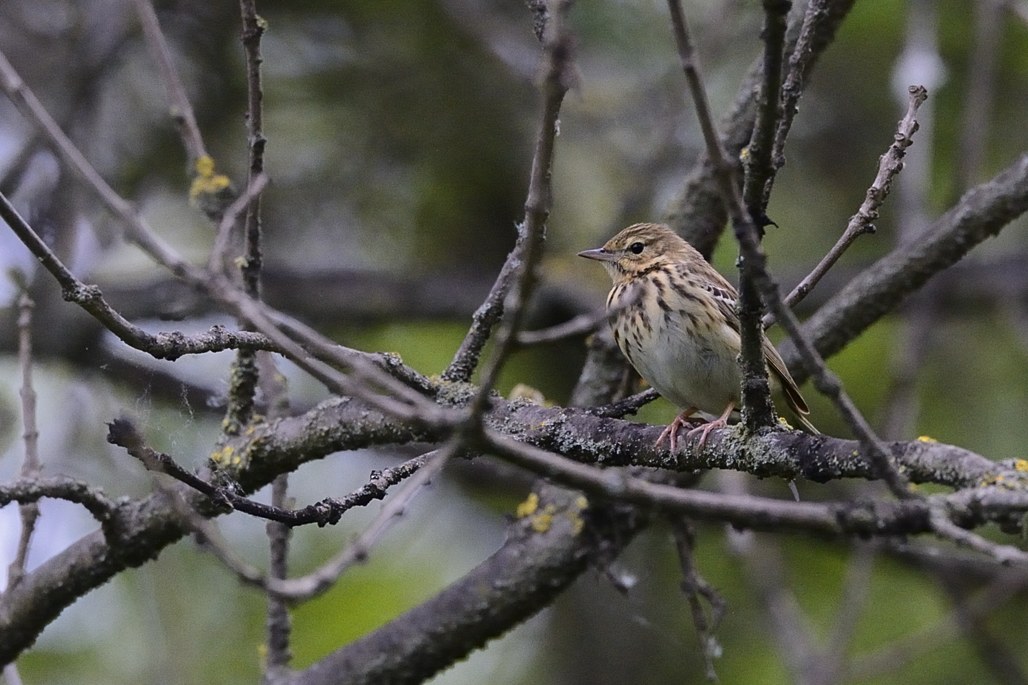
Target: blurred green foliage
400	136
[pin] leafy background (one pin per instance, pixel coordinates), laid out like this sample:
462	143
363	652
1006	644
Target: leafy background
399	140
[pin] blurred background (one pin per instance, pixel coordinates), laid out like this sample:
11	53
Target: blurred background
399	142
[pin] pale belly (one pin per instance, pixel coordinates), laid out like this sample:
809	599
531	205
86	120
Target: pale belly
686	371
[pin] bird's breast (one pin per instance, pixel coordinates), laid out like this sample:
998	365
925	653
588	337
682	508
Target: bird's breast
679	348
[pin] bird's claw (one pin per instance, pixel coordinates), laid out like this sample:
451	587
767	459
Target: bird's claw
705	429
670	432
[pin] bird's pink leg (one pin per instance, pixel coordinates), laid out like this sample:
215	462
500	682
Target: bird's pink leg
719	422
671	432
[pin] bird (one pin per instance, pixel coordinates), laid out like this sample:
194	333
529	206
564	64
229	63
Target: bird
674	317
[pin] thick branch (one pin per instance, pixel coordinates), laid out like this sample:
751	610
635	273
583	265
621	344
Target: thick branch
541	557
347	424
138	531
144	529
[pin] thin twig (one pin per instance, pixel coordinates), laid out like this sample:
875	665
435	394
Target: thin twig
243	380
913	340
241	204
557	44
279	622
698	213
322	579
820	23
861	223
367	374
123	433
829	385
517	277
982	212
758	177
696	590
759	170
137	229
363	378
366	371
575	327
253	30
30	465
626	406
308	586
89	297
30	434
181	109
1004	554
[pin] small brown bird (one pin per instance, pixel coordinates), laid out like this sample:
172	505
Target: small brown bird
674	317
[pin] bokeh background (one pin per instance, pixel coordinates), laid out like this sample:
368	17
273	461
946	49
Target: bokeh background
399	141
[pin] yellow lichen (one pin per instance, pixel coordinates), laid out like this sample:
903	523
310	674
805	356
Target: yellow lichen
926	438
575	514
206	181
225	455
542	521
528	507
1021	465
577	522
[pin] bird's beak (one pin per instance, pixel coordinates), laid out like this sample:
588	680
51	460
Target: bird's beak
599	254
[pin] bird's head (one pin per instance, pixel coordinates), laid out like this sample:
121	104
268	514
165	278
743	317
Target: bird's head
639	248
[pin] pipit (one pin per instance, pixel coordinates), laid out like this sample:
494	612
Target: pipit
674	317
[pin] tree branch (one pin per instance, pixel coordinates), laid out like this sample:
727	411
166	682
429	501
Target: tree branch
697	213
980	214
518	271
820	23
181	110
158	345
540	558
757	410
890	164
557	44
137	531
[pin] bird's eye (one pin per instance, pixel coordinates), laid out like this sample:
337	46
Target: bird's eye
636	248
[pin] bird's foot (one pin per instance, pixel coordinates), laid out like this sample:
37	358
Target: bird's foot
705	429
670	433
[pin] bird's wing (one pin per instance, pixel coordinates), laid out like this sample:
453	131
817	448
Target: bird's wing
725	298
777	366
